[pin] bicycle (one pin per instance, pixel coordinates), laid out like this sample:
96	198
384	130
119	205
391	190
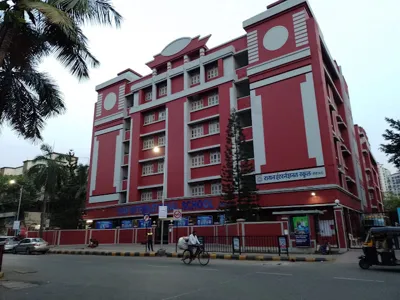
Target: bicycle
202	255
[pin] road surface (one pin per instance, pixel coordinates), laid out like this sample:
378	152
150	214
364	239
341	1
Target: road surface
59	277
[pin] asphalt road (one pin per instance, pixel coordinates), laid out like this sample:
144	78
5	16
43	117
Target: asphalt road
49	277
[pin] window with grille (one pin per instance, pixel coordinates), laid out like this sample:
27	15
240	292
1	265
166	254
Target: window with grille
161	115
212	73
198	104
160	167
197	160
147	169
162	90
215	157
213	127
146	196
213	99
159	194
148	96
371	196
197	190
216	189
195	79
197	131
148	119
148	143
161	140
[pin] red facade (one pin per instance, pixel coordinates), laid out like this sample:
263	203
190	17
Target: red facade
162	136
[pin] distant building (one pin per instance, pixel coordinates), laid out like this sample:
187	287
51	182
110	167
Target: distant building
395	183
385	178
26	165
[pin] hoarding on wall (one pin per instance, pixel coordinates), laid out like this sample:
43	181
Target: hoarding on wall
126	224
181	222
104	224
143	224
301	231
293	175
204	220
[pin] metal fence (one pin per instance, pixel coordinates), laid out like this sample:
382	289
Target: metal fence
245	244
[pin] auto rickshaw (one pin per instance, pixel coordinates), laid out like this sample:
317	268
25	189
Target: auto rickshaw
380	247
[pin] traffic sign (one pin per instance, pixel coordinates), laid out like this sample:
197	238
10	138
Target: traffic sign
177	214
146	218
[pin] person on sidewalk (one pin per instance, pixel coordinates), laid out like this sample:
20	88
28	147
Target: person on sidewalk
150	240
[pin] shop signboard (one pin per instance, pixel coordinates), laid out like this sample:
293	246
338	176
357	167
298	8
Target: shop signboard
104	224
126	224
144	224
301	231
181	222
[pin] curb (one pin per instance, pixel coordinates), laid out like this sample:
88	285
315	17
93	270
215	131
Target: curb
212	256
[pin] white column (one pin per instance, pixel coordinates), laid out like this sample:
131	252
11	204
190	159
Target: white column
185	73
165	177
186	143
169	87
202	69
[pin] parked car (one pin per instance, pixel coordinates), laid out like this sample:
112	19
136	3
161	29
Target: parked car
31	245
9	242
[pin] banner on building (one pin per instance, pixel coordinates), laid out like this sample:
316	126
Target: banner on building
293	175
301	231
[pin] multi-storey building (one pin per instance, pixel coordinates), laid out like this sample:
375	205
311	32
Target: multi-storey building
385	178
395	183
162	135
370	175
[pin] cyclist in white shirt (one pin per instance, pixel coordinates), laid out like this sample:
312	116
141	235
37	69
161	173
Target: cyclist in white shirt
193	243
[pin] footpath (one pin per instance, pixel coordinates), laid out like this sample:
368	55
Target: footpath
170	251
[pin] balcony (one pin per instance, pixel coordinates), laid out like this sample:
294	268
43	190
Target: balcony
124	185
126	159
204	141
127	135
241	73
345	150
243	102
248	133
341	122
332	104
205	112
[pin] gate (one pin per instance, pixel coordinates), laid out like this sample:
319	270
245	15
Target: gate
325	226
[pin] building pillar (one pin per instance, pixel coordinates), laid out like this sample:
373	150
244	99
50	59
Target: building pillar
340	228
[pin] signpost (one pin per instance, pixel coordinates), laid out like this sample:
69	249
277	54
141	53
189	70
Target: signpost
146	219
162	214
177	213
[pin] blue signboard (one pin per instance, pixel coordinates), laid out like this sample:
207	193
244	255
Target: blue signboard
126	224
221	219
204	220
188	205
398	213
104	224
181	222
143	224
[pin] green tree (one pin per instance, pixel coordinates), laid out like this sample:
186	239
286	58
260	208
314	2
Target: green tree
239	193
391	202
48	174
66	209
392	136
27	98
58	25
30	30
10	193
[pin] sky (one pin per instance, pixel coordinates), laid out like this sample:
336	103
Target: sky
361	35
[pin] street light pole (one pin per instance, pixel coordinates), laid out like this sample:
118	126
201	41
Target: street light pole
19	202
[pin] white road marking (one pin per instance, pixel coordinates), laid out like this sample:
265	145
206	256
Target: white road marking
278	274
358	279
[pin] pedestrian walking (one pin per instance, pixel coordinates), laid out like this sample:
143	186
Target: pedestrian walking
150	240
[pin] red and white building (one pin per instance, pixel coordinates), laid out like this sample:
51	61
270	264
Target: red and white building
162	135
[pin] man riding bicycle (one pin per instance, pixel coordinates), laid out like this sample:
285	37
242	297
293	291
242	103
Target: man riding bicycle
193	244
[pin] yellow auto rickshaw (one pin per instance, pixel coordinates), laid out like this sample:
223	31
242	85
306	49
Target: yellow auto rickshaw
380	247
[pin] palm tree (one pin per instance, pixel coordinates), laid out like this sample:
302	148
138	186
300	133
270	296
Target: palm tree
48	173
58	24
27	98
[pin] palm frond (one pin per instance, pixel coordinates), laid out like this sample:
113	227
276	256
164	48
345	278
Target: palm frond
90	11
28	98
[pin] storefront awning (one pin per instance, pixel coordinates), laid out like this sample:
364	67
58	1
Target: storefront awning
299	212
